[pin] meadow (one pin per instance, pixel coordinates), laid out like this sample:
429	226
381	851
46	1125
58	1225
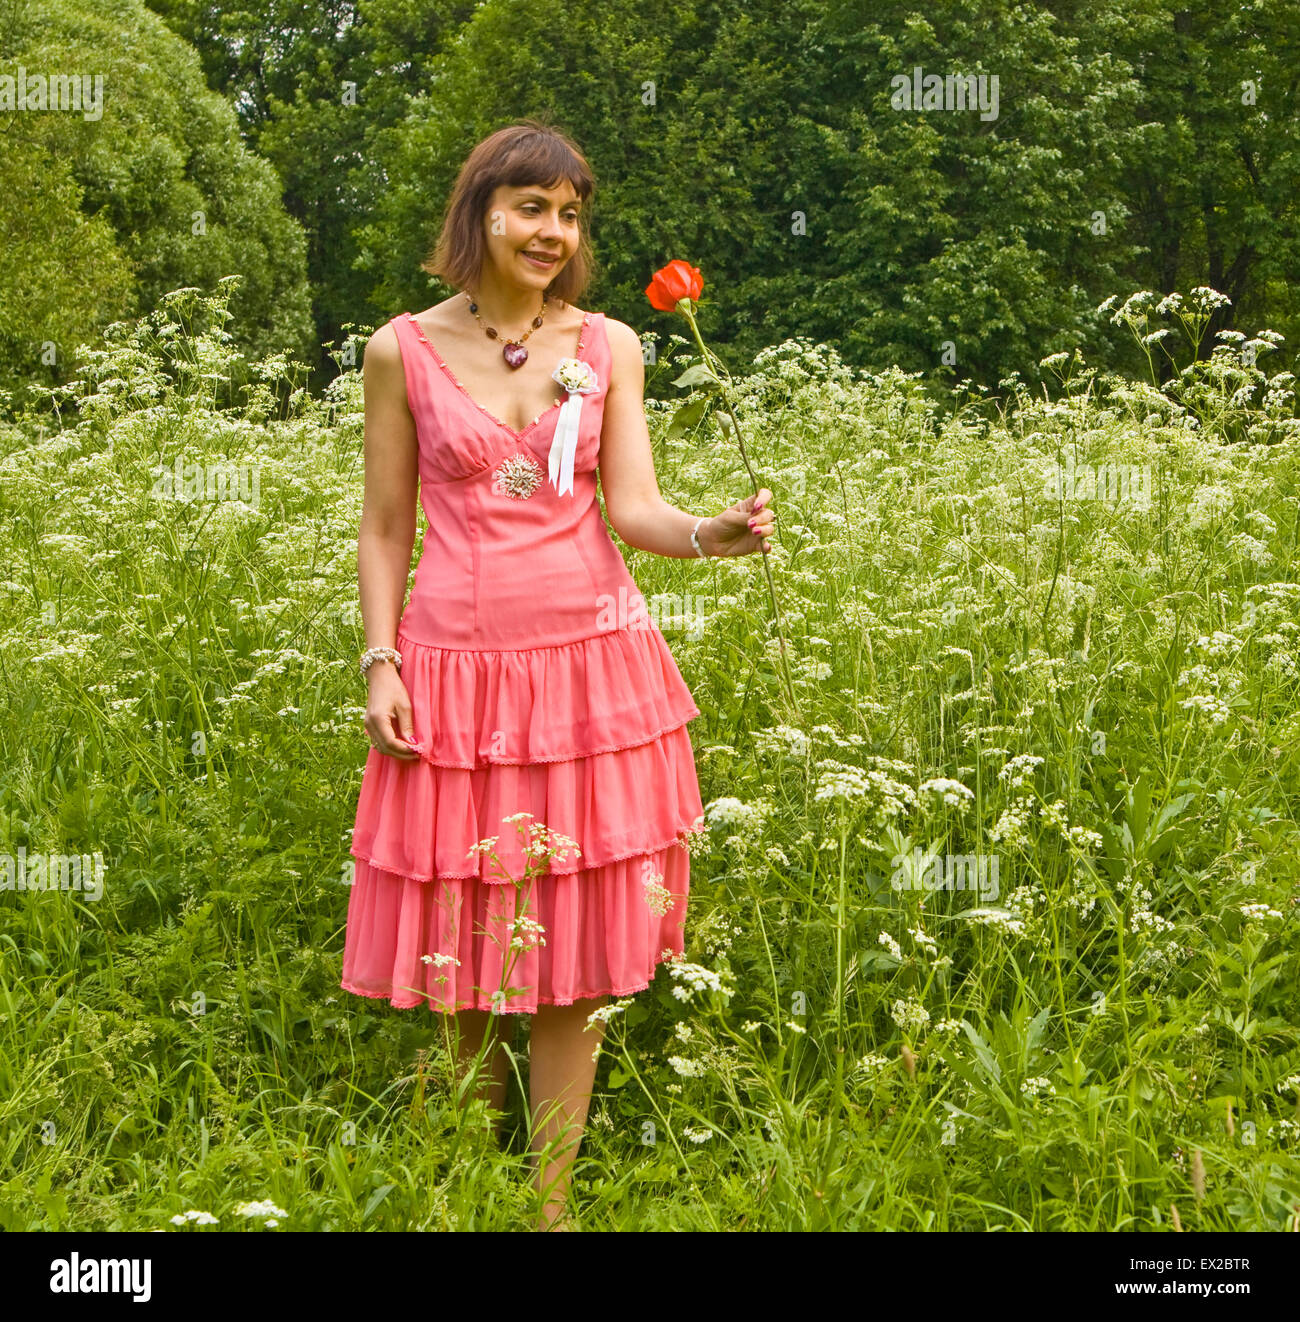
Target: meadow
994	924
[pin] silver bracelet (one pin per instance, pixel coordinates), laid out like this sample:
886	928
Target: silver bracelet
695	541
373	654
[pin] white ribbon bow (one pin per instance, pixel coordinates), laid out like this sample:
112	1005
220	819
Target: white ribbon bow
579	379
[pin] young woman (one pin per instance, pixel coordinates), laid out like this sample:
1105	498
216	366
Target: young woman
523	677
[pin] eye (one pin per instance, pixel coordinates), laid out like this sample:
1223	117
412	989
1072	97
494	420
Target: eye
530	207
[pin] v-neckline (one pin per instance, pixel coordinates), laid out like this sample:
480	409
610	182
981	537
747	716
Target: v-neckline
451	376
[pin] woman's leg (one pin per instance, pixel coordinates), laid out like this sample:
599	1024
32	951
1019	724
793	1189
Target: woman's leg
561	1070
493	1073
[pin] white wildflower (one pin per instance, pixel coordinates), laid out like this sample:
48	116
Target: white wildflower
688	1069
999	919
1019	769
1214	709
696	979
732	812
953	792
1258	912
910	1015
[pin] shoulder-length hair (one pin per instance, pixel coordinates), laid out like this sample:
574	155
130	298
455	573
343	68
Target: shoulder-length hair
529	152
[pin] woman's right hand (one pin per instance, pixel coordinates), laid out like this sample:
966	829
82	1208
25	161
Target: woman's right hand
388	713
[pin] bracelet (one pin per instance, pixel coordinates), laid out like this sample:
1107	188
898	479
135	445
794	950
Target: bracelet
695	541
373	654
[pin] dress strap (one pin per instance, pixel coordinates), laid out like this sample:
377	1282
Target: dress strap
418	385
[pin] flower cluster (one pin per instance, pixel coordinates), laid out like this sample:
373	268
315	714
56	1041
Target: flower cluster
910	1015
732	812
1019	769
527	934
953	792
781	739
657	896
696	978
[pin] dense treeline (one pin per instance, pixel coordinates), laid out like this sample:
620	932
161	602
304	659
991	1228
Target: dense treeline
1118	145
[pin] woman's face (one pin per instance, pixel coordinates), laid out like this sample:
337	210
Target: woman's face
527	219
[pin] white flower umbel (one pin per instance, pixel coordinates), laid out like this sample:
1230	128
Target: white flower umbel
910	1015
695	978
953	792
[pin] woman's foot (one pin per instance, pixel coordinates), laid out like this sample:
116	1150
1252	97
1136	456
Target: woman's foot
555	1216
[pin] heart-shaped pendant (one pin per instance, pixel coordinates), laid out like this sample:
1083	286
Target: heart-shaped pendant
515	355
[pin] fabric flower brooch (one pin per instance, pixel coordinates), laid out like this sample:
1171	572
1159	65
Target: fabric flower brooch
579	379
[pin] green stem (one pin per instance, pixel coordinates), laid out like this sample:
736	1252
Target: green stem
839	967
740	440
631	1068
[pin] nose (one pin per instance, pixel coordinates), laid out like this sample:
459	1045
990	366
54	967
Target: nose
551	230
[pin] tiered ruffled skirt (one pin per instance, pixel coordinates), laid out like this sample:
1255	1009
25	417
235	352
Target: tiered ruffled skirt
583	744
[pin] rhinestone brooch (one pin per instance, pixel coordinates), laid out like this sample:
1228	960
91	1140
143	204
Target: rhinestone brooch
518	477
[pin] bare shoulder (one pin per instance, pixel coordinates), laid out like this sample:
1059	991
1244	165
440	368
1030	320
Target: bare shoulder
627	364
382	347
383	369
439	316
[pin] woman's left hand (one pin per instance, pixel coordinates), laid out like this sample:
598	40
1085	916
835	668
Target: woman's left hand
742	529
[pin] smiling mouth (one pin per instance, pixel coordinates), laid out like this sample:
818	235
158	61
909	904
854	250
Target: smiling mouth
546	259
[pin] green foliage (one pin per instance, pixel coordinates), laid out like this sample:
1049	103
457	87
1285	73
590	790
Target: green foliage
155	192
935	240
1132	146
317	87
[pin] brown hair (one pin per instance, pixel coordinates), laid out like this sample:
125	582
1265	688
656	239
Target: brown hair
528	152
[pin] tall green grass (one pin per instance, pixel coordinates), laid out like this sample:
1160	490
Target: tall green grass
1093	685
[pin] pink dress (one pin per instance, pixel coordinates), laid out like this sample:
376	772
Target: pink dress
538	685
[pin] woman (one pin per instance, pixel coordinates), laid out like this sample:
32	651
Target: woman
522	686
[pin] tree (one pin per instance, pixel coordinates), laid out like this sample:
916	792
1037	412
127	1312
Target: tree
168	194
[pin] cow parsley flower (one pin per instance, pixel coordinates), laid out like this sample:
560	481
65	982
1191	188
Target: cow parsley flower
910	1015
953	792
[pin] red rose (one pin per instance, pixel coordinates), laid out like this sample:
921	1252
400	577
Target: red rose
675	281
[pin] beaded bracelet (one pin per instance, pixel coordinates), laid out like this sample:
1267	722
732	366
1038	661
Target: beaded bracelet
373	654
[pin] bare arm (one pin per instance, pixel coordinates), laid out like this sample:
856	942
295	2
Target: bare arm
637	512
387	532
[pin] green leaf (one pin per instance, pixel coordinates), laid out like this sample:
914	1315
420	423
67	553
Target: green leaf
688	415
376	1198
982	1052
699	375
